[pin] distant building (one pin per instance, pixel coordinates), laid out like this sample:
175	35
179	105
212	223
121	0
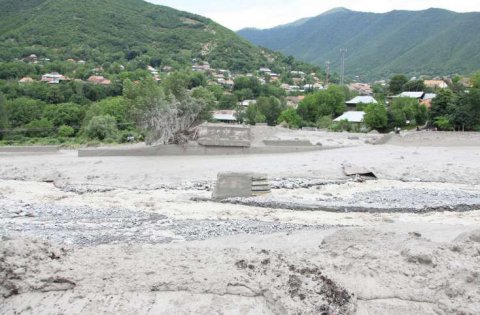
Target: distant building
435	84
226	116
26	80
53	78
355	117
32	58
417	95
427	99
94	79
298	73
361	88
361	100
247	103
202	67
265	70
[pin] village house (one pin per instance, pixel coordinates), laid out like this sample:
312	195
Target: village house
264	70
31	59
417	95
435	84
53	78
298	74
247	103
26	80
427	99
354	117
98	80
354	102
361	88
201	67
226	83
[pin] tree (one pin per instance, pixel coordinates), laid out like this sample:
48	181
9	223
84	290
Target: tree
291	117
3	115
443	123
270	107
101	128
475	79
251	83
405	109
330	102
163	118
23	110
376	116
397	83
442	104
227	101
39	128
253	115
414	86
116	107
203	94
65	131
70	114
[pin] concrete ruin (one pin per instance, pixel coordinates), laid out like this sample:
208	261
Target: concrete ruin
231	185
224	136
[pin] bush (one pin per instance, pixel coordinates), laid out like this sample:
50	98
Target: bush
291	117
376	116
65	131
101	127
39	128
324	122
340	126
443	123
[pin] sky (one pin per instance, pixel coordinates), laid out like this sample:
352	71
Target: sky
269	13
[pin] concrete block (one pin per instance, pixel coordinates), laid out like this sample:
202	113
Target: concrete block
224	136
231	185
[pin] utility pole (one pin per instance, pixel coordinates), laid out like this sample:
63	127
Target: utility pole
327	77
343	51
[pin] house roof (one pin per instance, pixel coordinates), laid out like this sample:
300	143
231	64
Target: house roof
411	94
98	80
435	83
429	96
362	99
224	115
352	116
249	102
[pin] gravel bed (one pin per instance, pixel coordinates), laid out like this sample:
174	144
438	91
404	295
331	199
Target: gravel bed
415	200
86	226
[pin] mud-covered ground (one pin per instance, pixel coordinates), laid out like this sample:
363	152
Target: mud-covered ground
122	235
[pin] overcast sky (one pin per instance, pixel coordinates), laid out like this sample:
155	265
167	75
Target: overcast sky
268	13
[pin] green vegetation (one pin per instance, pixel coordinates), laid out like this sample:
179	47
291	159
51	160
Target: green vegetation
432	42
330	102
376	116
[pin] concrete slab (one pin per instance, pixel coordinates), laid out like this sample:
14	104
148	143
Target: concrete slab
288	143
30	149
232	185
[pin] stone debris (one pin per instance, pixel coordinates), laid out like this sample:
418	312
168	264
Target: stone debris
230	185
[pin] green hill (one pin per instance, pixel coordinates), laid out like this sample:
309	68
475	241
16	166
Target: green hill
434	41
103	31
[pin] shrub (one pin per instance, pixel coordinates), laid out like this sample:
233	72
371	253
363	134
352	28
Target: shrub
101	127
65	131
39	128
